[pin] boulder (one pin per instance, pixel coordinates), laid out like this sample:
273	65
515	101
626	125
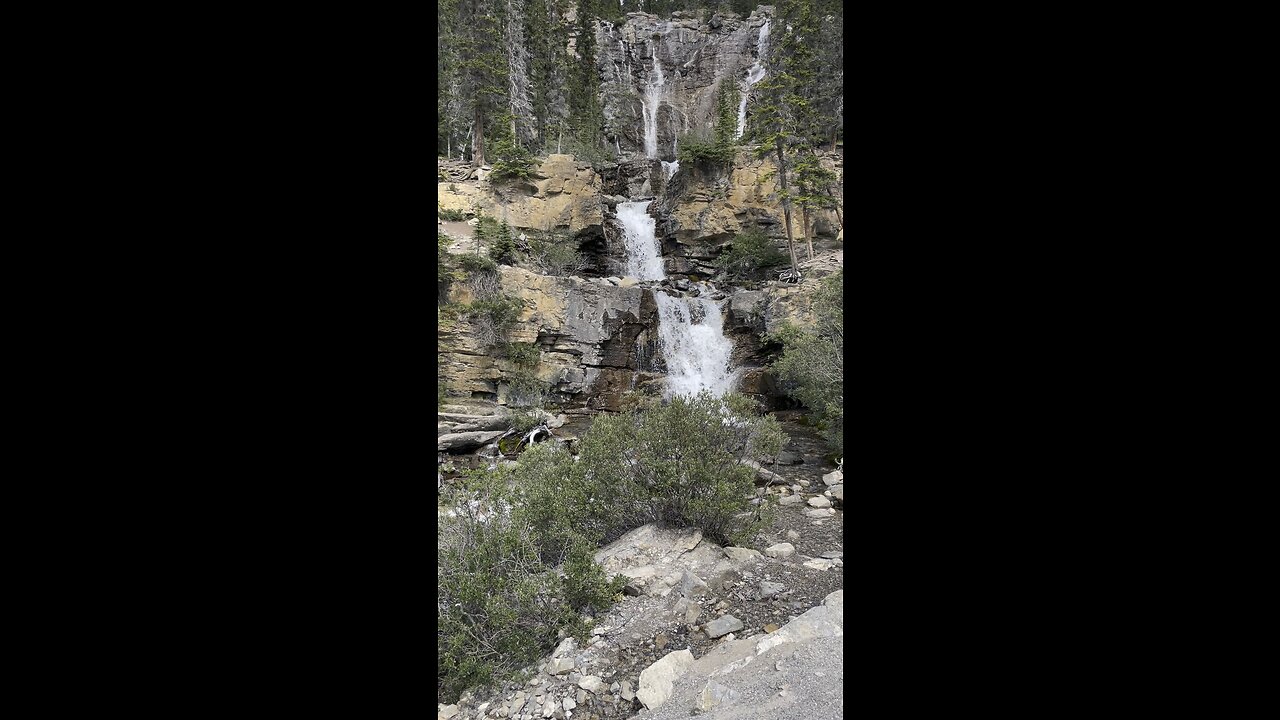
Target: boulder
593	684
826	620
658	680
819	502
740	555
770	589
780	550
692	586
833	478
723	626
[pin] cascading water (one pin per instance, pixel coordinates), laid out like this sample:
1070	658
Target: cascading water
690	330
691	337
652	98
644	259
754	75
693	345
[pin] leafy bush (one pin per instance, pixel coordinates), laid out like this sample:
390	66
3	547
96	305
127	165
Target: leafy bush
524	389
474	263
811	368
492	317
555	254
500	606
678	463
750	255
523	354
523	422
501	603
454	215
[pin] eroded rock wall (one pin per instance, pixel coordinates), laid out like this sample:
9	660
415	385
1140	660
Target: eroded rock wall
587	329
697	51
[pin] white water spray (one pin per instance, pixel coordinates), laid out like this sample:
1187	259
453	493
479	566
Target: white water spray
644	258
690	330
652	99
754	75
693	345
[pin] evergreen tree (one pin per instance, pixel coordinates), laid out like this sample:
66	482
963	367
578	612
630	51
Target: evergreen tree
584	79
518	73
482	67
785	118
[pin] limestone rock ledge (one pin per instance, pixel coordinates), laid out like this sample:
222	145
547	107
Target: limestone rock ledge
588	331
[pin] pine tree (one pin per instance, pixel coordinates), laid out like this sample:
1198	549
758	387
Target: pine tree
482	67
587	116
785	120
813	183
518	75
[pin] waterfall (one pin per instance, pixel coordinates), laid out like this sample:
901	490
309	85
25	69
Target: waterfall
754	75
652	99
644	258
691	337
690	330
693	345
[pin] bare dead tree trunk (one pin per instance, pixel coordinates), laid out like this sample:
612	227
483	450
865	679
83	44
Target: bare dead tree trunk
477	138
786	204
804	228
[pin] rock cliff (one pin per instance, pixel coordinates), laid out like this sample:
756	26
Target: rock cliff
696	52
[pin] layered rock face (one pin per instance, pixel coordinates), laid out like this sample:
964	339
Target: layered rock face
588	331
563	194
701	212
695	56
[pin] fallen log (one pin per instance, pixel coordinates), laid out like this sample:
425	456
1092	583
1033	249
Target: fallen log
455	442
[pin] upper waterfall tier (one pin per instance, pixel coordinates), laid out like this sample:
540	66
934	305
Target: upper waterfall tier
644	257
662	76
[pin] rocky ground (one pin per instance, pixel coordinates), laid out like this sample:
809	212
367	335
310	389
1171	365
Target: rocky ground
694	609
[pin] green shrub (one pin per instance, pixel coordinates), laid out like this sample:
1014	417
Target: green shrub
698	151
678	463
718	148
523	354
445	267
811	368
501	604
524	389
509	159
750	255
454	215
556	254
474	263
492	317
523	422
